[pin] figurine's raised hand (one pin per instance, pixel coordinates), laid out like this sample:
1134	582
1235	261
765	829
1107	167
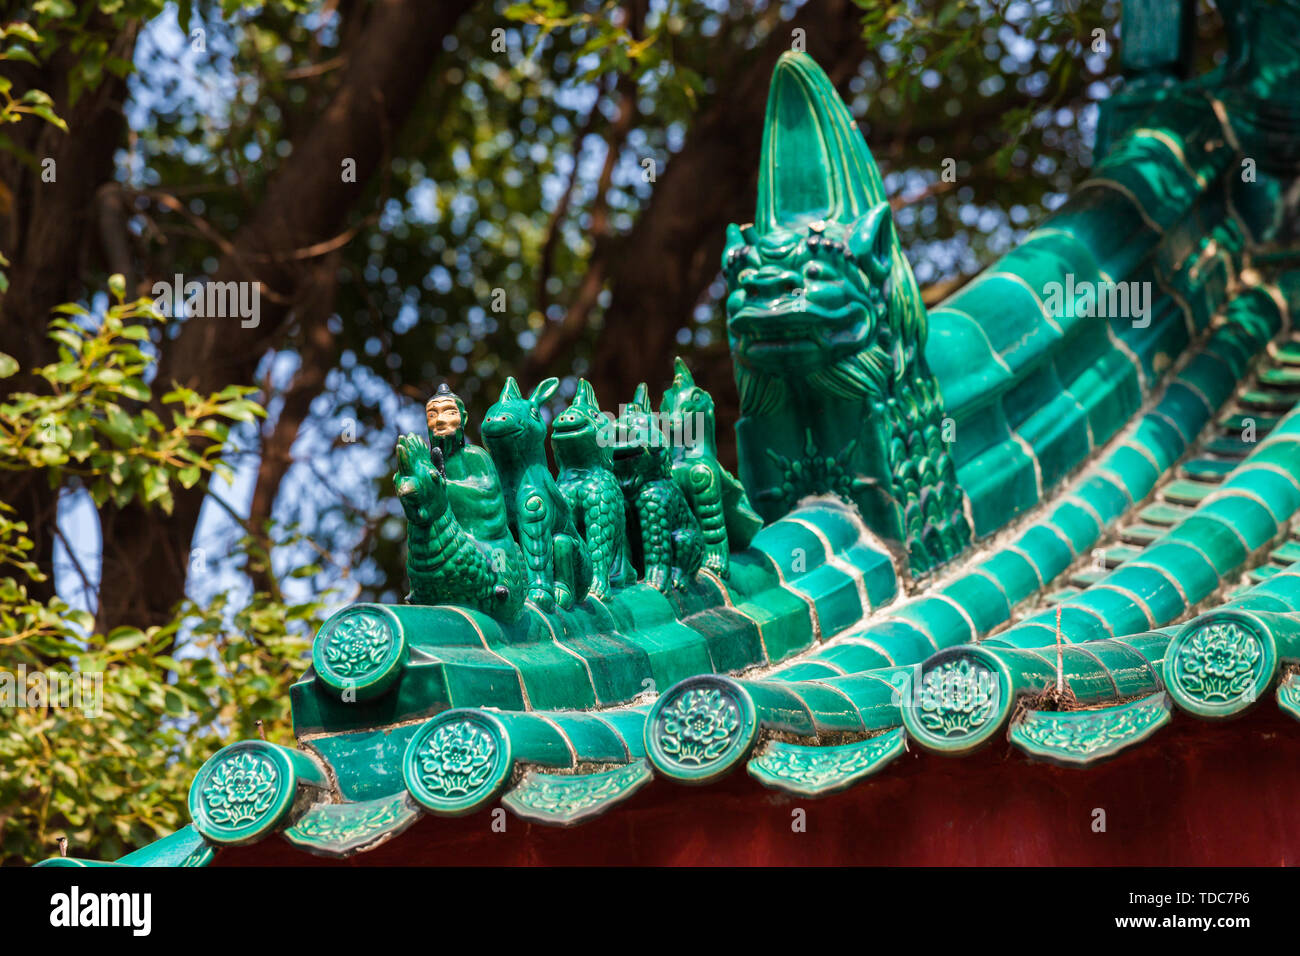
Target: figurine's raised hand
421	488
412	455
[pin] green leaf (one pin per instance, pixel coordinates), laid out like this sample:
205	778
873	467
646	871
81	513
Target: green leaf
125	638
135	333
155	484
135	389
24	31
22	55
47	114
8	365
53	455
55	9
241	410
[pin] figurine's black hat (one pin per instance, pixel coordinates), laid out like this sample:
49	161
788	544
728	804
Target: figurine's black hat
444	392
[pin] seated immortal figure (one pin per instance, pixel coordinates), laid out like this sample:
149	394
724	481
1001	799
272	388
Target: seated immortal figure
459	546
474	487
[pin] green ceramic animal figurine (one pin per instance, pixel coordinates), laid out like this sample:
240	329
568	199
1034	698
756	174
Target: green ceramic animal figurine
444	563
556	557
717	499
586	479
828	332
664	536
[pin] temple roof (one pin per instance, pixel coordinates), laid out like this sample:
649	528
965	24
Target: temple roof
1178	515
1130	480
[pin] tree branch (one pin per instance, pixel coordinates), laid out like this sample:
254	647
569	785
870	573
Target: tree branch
317	354
306	204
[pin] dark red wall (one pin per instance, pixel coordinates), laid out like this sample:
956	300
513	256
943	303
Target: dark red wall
1196	793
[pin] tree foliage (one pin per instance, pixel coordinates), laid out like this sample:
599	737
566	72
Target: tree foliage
113	773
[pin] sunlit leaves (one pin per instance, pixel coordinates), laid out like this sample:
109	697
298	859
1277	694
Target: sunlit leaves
116	779
112	774
94	422
17	41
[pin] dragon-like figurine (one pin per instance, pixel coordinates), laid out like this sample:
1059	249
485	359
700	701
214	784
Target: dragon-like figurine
828	330
716	498
559	566
586	479
664	536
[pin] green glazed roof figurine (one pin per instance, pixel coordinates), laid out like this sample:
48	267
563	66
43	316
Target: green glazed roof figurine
584	456
555	555
717	499
828	334
459	546
475	493
667	544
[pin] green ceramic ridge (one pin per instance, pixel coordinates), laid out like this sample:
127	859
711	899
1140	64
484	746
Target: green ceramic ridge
75	862
923	430
458	762
368	764
1153	207
831	601
1222	662
704	727
1054	393
360	651
805	578
250	789
1288	695
972	604
463	759
340	830
1240	517
184	848
834	400
1031	386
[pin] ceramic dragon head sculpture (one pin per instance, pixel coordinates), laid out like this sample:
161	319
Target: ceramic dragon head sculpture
827	329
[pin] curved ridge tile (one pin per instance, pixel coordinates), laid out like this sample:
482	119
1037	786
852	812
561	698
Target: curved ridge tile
569	799
819	771
340	830
1246	513
808	576
1078	738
